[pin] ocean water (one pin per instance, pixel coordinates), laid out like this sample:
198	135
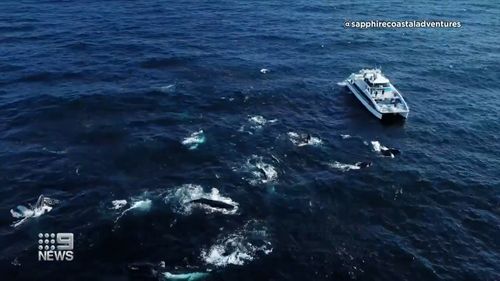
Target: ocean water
122	113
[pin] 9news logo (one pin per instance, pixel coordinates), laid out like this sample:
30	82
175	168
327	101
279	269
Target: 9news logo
55	246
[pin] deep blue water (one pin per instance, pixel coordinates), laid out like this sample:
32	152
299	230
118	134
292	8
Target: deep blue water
96	98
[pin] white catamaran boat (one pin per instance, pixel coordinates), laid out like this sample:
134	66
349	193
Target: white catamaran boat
377	94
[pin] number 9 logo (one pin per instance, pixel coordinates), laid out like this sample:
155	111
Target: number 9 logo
65	241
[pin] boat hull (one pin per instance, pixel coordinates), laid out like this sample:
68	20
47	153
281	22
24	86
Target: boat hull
368	105
393	117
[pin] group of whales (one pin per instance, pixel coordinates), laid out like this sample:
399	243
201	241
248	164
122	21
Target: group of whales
299	139
154	271
45	204
151	271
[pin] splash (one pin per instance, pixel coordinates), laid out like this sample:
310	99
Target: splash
168	88
139	205
194	140
347	167
240	247
260	171
143	205
256	122
118	204
304	139
343	166
191	276
377	147
42	206
264	70
383	150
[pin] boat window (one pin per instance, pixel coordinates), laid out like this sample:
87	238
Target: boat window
368	82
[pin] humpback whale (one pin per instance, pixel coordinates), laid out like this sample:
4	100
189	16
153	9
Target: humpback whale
43	205
213	203
390	152
143	271
308	137
303	139
385	151
156	272
364	164
43	202
191	276
263	172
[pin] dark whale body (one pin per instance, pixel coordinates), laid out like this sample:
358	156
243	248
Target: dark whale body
390	152
143	272
364	164
263	173
213	203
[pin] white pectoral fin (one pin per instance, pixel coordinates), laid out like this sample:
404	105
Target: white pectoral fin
21	212
19	222
15	214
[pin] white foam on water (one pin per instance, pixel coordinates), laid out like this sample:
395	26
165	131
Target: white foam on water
243	130
167	88
23	213
377	147
59	152
264	70
300	140
257	122
118	204
191	276
15	262
137	204
218	256
342	84
194	140
343	166
143	205
240	247
181	200
275	158
260	171
345	136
